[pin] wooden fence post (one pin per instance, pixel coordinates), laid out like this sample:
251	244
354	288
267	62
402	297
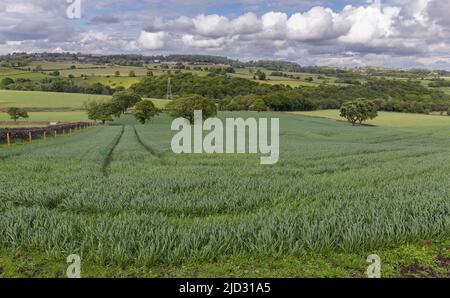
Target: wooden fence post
30	137
56	133
8	139
45	135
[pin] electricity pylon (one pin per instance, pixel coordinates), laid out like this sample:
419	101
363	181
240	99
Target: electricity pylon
169	89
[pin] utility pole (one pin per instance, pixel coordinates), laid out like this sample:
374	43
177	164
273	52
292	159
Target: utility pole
169	89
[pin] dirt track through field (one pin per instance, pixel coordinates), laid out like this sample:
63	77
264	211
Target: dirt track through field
109	157
147	147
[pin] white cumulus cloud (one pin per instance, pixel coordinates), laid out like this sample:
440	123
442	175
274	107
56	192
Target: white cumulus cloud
152	40
192	41
369	23
317	24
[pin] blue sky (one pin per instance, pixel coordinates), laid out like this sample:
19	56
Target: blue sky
393	33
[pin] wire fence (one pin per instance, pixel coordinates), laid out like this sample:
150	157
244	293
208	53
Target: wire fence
11	135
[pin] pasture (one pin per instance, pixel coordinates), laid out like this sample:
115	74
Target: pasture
119	197
51	106
44	100
22	74
74	116
109	81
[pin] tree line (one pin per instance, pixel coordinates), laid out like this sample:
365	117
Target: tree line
120	103
242	94
56	85
232	93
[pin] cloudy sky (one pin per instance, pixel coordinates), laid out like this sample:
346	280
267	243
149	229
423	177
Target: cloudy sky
395	33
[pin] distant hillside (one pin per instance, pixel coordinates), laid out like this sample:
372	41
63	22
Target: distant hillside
23	59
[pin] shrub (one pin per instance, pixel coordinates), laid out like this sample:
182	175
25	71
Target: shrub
7	81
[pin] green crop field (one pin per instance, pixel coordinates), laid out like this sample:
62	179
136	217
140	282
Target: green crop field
388	119
119	198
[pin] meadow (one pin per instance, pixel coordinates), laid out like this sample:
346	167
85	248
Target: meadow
74	116
51	106
274	80
53	100
24	74
121	199
109	81
45	100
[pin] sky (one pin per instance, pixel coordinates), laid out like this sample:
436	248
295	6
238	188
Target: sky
348	33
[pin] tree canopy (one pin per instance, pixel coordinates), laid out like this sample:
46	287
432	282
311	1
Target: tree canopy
359	110
185	107
123	100
105	110
99	110
17	113
145	110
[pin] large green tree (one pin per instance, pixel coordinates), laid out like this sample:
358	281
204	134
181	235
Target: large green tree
359	110
185	107
99	110
123	100
17	113
145	110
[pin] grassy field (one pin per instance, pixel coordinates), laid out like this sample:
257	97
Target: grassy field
109	81
388	119
15	74
51	106
299	78
120	198
105	71
275	80
48	65
44	100
50	117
